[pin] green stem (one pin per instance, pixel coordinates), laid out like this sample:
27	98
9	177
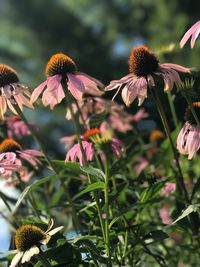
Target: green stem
98	210
180	180
108	252
32	131
67	96
172	108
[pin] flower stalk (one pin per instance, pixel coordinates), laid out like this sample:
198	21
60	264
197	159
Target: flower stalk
180	180
107	235
43	259
67	96
172	108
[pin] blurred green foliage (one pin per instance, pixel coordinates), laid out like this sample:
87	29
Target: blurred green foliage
97	34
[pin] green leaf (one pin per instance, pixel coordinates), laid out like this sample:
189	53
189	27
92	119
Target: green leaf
186	212
67	166
89	188
94	172
31	188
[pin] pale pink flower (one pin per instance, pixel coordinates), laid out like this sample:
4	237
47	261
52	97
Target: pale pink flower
12	92
143	64
75	153
97	141
62	68
16	127
165	214
168	189
30	155
193	32
188	141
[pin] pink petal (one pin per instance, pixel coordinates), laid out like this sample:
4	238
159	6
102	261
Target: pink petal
38	91
189	33
75	86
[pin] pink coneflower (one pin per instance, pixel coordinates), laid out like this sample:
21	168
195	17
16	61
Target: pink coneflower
12	92
62	68
8	163
99	142
143	64
30	155
188	141
75	153
168	189
16	127
193	32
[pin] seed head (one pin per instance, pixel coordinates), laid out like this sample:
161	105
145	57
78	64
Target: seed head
7	75
142	61
27	236
60	64
9	145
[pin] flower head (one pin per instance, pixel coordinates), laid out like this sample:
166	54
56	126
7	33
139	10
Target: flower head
143	64
30	155
97	140
193	32
28	239
12	92
188	140
61	68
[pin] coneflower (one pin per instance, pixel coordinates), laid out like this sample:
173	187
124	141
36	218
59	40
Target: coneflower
12	92
61	68
143	64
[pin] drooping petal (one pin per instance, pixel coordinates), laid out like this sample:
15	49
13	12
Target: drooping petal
190	33
29	254
75	86
175	67
90	84
37	91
